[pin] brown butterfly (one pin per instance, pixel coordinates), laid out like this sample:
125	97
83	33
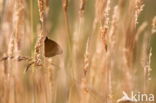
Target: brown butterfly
51	48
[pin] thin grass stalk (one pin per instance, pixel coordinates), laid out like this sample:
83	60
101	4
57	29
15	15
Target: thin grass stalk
69	39
81	14
138	9
66	20
11	70
154	25
84	82
146	61
39	54
31	22
104	28
39	48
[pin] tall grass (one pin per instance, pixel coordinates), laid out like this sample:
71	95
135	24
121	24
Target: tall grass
106	50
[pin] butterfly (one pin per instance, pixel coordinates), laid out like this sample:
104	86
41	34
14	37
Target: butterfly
51	48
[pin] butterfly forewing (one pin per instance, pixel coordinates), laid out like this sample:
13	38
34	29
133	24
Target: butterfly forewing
51	48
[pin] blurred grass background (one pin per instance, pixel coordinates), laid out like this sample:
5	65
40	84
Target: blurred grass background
55	19
56	31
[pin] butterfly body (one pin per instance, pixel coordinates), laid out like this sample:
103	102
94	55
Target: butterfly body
51	48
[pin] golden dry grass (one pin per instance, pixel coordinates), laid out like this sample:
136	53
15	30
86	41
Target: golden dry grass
106	50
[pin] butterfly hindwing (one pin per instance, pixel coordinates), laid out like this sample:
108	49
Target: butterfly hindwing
51	48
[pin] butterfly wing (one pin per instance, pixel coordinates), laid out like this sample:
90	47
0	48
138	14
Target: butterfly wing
51	48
